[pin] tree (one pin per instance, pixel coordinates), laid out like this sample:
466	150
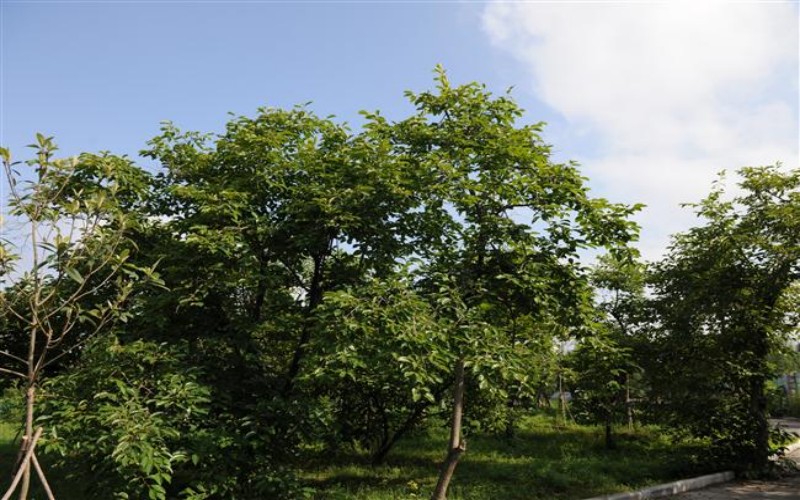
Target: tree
621	300
68	276
722	299
511	222
289	201
385	356
601	368
260	224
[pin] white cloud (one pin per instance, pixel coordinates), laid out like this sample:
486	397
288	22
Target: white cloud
672	91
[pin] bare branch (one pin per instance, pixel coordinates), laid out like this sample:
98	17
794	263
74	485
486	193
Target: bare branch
12	372
81	292
297	278
15	358
12	184
18	315
44	364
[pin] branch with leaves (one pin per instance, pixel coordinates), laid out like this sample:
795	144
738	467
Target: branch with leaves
67	276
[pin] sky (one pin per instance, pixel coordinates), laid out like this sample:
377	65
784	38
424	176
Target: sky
653	99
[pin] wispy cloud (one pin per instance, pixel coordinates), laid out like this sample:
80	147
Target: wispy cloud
672	92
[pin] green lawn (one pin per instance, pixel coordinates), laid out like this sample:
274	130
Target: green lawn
544	461
8	450
8	454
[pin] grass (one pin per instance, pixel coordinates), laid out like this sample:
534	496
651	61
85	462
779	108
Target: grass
9	445
8	450
542	462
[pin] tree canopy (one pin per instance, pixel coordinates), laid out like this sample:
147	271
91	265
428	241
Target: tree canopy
292	285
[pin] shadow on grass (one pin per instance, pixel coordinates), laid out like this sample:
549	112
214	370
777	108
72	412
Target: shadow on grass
9	446
542	461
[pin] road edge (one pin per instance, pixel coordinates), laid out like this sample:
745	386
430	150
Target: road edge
682	485
672	488
792	447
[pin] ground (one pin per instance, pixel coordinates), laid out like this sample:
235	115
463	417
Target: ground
785	488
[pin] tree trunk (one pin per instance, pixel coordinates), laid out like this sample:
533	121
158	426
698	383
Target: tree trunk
379	457
758	406
543	398
27	440
610	443
30	401
758	401
628	402
457	445
315	293
511	419
25	466
562	401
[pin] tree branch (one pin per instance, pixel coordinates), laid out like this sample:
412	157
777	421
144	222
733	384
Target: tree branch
12	372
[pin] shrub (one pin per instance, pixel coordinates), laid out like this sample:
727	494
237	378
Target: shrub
125	419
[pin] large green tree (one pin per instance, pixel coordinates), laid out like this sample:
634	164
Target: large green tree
290	206
511	222
624	321
722	295
328	283
260	224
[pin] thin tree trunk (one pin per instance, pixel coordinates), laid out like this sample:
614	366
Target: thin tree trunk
610	444
30	395
628	402
314	299
419	411
511	401
562	401
511	420
389	441
47	490
27	440
457	445
758	401
261	287
758	407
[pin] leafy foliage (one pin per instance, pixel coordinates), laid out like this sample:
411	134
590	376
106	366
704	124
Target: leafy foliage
75	218
321	287
601	368
145	409
386	357
723	297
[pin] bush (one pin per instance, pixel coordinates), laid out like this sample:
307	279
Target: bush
126	419
792	406
11	405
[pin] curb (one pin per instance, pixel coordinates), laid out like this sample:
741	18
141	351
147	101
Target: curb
792	447
673	488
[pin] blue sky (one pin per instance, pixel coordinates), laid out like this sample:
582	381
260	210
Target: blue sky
105	75
653	98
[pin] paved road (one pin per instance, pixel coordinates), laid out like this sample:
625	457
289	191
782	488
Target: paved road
782	489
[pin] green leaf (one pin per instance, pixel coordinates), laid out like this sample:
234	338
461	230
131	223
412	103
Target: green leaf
74	274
